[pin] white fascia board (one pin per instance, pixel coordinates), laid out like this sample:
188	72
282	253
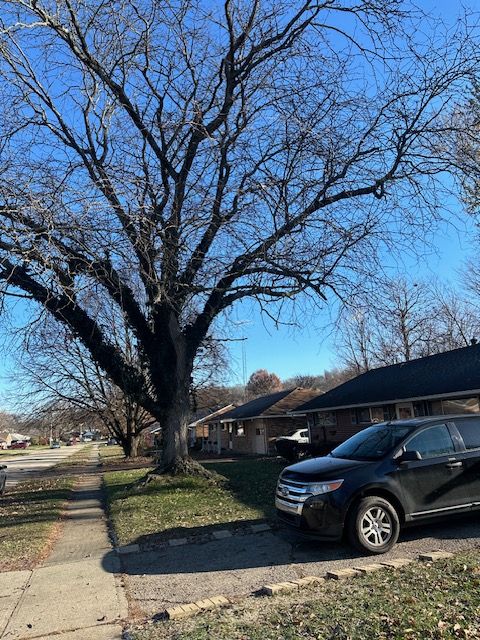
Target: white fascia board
379	403
281	415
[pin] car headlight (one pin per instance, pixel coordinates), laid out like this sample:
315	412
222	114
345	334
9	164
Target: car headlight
317	488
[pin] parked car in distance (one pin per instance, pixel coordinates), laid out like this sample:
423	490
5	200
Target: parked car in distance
297	445
55	445
3	478
111	442
18	444
299	435
389	475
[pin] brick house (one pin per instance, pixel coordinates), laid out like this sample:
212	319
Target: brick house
253	427
442	384
209	431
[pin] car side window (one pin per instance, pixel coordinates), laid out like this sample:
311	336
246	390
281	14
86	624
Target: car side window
432	442
470	432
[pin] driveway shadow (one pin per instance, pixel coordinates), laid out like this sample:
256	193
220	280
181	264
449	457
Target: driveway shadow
284	547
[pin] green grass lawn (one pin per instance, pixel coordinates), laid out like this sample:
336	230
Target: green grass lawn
169	507
13	452
23	452
82	455
111	452
29	513
440	601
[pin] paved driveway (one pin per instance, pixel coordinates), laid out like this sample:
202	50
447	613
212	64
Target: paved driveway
242	564
21	468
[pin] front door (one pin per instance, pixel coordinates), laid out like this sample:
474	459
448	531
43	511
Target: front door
260	443
430	485
404	410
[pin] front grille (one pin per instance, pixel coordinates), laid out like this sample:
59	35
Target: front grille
290	496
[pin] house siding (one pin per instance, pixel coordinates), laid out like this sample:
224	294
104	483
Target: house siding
337	426
272	428
245	443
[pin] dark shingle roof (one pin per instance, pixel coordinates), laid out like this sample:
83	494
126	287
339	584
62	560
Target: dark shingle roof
274	404
456	371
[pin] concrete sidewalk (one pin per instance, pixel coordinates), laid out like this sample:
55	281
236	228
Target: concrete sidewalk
74	594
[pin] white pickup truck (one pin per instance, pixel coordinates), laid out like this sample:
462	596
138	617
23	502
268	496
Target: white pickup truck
299	435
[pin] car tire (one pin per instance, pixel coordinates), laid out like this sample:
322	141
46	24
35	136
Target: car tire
373	525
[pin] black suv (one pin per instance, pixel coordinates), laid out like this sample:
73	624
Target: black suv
387	475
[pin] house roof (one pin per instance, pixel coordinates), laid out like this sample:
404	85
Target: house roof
452	372
274	404
211	416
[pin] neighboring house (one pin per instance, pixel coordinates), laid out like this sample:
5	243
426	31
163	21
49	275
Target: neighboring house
5	439
253	427
208	431
151	436
442	384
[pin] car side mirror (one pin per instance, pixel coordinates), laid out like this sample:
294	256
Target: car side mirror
408	456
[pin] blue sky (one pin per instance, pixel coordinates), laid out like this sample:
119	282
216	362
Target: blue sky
309	347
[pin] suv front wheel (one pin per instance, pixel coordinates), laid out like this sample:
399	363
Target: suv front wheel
373	525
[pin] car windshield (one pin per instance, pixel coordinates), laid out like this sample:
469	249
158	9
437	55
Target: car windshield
373	443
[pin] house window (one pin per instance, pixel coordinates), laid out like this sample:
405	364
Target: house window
436	408
239	430
460	405
454	405
376	414
363	415
388	413
419	409
326	419
353	416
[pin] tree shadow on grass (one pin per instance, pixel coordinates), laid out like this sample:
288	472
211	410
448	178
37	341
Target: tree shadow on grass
31	506
252	481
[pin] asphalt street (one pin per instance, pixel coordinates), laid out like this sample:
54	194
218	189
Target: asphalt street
26	467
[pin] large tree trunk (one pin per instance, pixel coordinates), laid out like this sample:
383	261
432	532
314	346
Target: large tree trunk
174	415
131	446
174	421
171	366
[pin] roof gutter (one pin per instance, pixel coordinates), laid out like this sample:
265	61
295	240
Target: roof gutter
262	417
378	403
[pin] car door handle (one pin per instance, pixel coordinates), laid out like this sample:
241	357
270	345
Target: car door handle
454	465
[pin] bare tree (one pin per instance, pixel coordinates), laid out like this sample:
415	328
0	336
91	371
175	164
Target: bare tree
304	380
322	382
466	148
179	158
55	368
404	320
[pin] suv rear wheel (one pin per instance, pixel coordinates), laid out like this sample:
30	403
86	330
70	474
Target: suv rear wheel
373	525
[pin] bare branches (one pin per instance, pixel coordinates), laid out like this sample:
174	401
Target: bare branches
402	320
173	159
